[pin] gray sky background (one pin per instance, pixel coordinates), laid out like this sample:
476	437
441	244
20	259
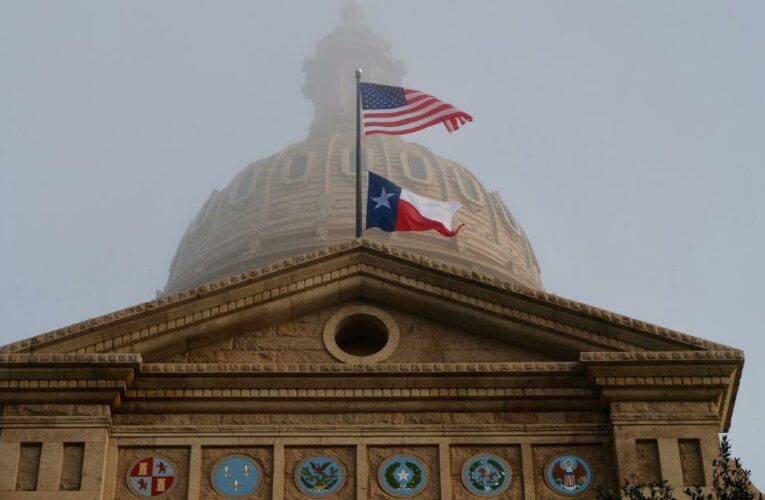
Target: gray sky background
627	137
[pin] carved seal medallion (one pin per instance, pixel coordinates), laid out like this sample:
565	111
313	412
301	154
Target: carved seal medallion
152	476
236	476
403	475
486	475
568	475
320	476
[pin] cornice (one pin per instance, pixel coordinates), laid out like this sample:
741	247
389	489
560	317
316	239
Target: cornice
525	368
656	376
234	282
501	432
727	356
70	358
324	394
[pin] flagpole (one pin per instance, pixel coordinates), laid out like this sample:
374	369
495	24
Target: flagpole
358	153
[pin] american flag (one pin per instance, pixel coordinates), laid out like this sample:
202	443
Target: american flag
396	110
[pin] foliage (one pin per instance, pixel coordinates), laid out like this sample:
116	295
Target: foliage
637	491
411	484
390	478
730	481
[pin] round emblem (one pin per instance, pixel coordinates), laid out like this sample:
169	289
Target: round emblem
152	476
236	476
403	476
319	476
486	475
568	475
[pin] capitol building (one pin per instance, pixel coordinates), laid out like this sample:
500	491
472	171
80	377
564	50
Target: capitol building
285	359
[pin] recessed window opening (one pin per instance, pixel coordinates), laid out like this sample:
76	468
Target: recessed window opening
417	168
244	184
298	167
361	335
470	188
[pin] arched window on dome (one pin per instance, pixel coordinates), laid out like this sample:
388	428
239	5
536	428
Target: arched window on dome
468	187
415	168
348	161
244	187
297	168
507	216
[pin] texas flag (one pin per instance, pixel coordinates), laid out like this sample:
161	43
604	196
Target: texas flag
392	208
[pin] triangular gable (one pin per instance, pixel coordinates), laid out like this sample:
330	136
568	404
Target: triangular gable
361	270
301	340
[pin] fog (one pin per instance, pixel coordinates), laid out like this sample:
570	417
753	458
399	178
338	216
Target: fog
627	137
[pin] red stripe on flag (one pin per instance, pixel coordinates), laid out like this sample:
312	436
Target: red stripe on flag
421	111
410	219
411	119
404	111
419	127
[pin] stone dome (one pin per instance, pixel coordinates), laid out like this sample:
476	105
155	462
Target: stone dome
302	198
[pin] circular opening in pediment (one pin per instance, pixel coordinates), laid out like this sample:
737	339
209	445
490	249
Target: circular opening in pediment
361	334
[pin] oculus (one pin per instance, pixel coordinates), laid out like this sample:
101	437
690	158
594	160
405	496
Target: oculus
236	476
486	475
361	334
568	475
152	476
319	476
403	476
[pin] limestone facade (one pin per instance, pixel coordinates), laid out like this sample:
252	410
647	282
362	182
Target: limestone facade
244	366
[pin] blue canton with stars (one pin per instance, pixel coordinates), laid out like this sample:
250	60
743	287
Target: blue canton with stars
382	203
376	96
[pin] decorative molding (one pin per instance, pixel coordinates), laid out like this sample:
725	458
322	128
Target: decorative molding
680	381
663	410
74	358
366	393
55	422
334	324
59	384
671	356
378	368
500	432
239	280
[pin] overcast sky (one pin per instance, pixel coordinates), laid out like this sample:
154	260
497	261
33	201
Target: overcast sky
627	137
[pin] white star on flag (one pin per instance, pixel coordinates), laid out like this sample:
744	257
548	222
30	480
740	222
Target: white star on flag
382	200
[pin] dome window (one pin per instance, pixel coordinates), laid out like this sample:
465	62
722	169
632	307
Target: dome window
297	168
468	188
244	188
348	161
507	216
415	168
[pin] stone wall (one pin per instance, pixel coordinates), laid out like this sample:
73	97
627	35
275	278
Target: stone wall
300	341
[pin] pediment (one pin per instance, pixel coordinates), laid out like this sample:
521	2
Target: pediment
529	320
302	341
263	334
